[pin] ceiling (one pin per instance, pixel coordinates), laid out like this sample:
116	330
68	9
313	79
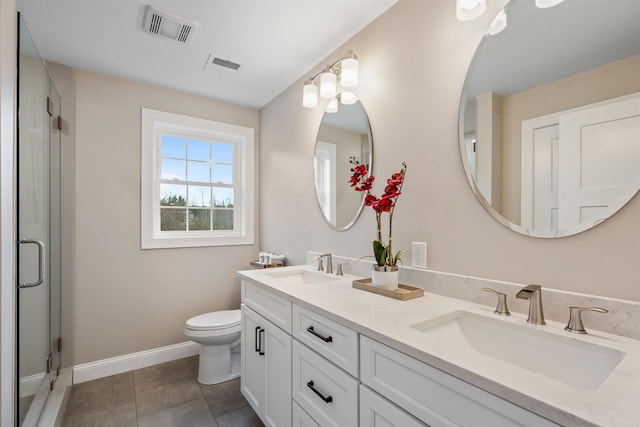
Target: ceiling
543	45
276	42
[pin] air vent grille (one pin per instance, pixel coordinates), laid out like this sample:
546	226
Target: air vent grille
168	25
222	66
225	63
184	33
156	20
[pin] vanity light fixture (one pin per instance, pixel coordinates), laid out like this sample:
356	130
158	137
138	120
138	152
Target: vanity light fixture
348	98
310	94
468	10
498	24
542	4
346	68
332	106
328	84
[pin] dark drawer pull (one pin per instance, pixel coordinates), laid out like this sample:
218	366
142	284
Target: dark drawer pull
261	352
325	339
327	399
256	339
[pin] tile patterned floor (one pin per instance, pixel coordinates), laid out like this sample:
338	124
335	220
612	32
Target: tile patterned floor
165	395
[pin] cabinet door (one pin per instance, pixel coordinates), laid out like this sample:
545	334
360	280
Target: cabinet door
251	374
266	369
376	411
276	347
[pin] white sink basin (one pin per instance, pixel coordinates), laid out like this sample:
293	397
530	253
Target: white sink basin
567	359
300	276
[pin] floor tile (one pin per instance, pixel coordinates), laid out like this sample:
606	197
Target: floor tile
244	417
122	415
162	374
224	397
164	395
192	414
192	362
163	386
105	392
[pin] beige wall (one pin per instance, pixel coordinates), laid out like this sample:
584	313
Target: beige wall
599	84
125	299
413	62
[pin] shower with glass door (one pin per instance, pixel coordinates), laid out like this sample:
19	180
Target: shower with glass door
38	230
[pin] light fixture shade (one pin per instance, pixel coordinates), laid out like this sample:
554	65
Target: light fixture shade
349	74
498	24
542	4
332	106
348	98
310	94
467	10
328	85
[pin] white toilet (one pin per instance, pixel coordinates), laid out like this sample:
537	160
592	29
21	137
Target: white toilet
219	335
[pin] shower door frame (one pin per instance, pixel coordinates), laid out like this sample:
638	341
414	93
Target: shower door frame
44	112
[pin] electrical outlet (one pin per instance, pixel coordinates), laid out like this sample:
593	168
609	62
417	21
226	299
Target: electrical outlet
419	254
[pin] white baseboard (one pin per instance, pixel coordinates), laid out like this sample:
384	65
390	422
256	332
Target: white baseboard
128	362
31	384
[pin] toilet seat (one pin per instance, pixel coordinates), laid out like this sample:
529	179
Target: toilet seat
227	319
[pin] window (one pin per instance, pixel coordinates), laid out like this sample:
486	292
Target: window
197	182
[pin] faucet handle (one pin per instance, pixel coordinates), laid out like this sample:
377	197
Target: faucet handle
501	306
575	325
320	266
339	272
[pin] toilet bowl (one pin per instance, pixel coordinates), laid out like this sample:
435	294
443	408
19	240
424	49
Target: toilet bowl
218	333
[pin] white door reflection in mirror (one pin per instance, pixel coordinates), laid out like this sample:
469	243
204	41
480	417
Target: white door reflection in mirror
325	171
579	166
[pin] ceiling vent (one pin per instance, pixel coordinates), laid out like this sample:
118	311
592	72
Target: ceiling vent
221	65
168	25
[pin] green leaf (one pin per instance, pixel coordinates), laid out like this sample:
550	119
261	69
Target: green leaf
380	252
398	255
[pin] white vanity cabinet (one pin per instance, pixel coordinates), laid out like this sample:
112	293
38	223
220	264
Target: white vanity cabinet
434	396
305	369
376	411
266	357
325	368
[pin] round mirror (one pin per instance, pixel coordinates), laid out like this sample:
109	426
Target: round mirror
550	115
343	133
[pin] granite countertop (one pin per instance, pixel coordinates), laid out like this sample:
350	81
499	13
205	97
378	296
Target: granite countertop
614	402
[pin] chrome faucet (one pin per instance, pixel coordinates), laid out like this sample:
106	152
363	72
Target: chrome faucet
329	262
501	306
533	293
575	325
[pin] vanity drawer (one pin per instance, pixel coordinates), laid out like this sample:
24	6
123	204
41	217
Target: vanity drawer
274	307
433	396
376	411
325	392
301	418
332	340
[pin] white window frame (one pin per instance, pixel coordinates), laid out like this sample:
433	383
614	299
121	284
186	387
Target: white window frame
154	125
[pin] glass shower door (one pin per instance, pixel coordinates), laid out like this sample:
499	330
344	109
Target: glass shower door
38	215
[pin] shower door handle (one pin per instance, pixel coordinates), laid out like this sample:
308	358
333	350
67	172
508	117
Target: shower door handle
40	263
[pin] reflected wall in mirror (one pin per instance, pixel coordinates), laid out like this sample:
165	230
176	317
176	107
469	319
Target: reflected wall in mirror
550	116
342	134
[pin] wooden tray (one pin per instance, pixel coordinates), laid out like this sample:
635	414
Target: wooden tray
403	293
255	265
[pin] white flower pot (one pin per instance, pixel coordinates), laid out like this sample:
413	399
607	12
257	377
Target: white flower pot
385	278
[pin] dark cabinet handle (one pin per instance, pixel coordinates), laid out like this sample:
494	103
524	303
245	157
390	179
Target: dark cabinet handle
327	399
256	339
260	335
325	339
